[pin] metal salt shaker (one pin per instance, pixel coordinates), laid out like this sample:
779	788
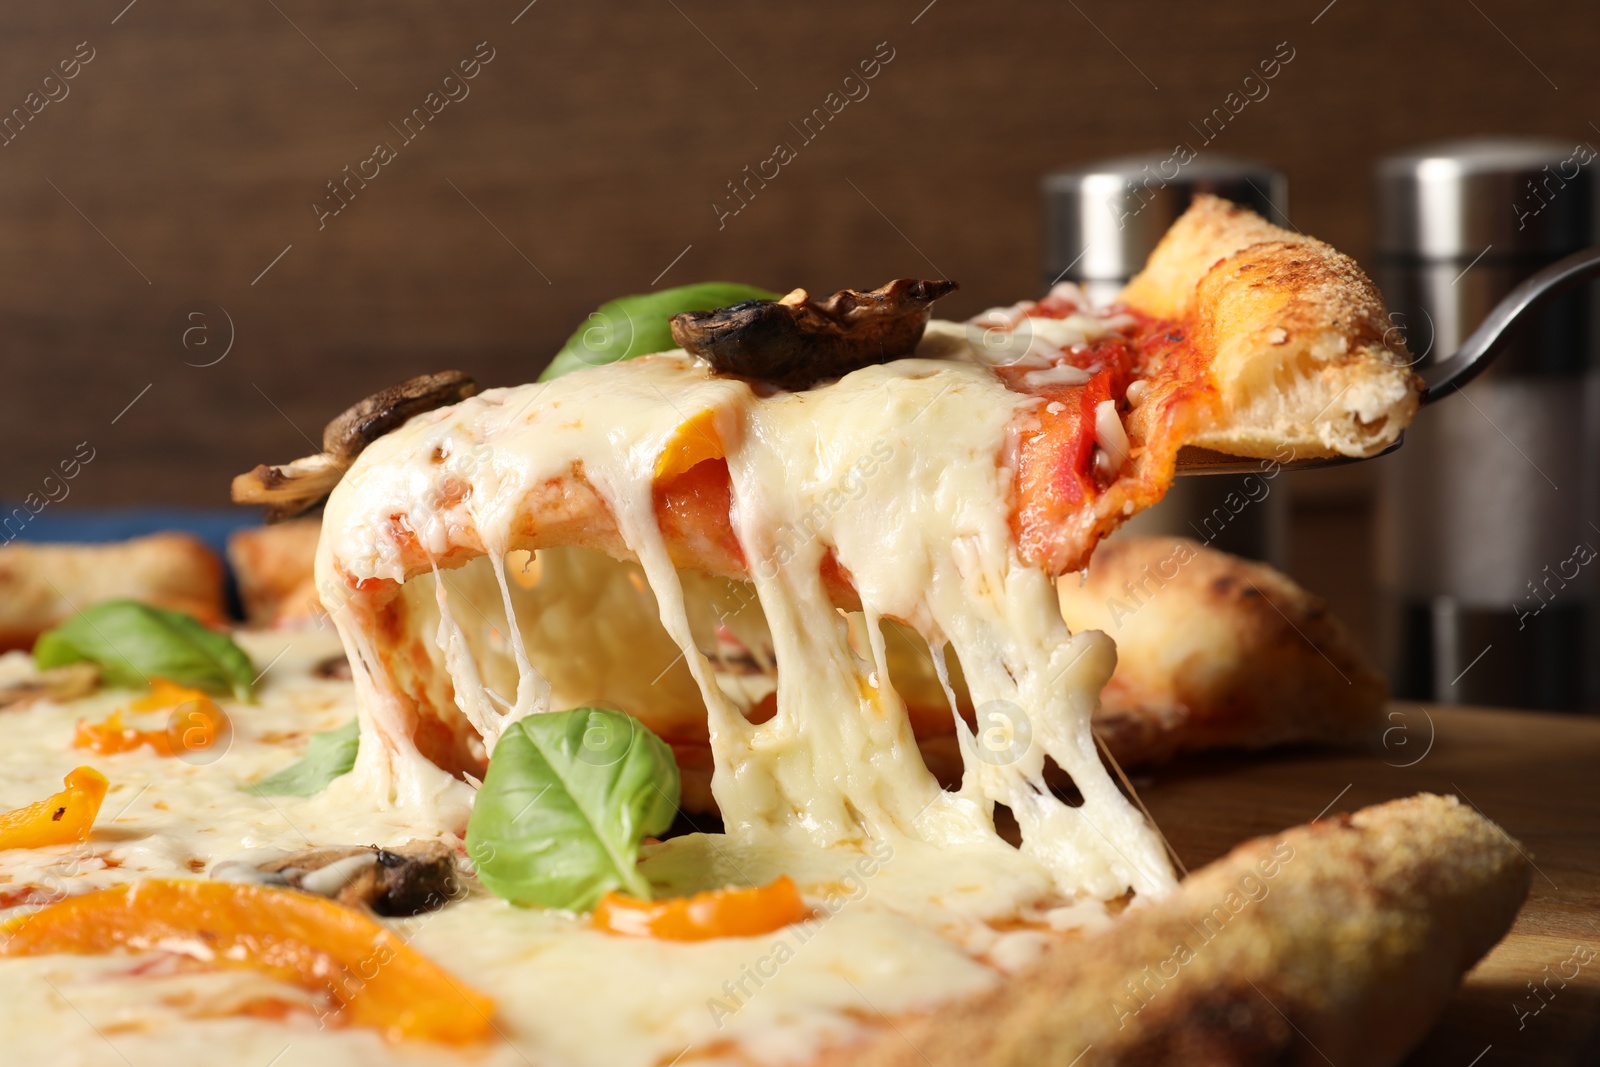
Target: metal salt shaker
1486	519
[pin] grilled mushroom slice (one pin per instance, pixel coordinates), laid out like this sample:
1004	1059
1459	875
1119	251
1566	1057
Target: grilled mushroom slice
407	880
291	488
59	684
796	342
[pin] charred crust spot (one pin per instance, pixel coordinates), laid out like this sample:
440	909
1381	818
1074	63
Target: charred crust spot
796	342
59	812
1223	1024
1231	586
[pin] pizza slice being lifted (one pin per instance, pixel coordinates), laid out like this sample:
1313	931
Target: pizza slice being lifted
996	455
811	480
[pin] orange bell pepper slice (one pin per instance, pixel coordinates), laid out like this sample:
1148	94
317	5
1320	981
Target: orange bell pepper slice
731	912
62	818
694	442
198	729
111	736
164	694
373	977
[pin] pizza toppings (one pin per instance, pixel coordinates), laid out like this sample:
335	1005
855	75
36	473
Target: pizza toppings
638	325
695	442
289	489
329	755
568	798
295	487
406	880
63	818
198	723
196	729
364	422
894	479
732	912
796	342
369	976
58	684
133	643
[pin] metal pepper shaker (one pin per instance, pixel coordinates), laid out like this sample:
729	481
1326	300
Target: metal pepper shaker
1101	222
1486	519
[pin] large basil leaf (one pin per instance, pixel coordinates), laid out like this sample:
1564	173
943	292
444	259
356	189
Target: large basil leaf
637	325
328	755
133	643
566	801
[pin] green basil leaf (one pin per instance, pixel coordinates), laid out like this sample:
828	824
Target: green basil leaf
133	643
328	755
566	801
637	325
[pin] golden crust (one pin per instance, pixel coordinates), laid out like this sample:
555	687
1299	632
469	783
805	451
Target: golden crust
1303	356
273	565
43	584
1214	651
1339	941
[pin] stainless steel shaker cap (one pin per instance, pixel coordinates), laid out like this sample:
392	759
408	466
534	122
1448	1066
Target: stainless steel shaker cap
1510	195
1103	219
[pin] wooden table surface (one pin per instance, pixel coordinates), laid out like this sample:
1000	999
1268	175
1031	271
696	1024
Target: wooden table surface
1536	775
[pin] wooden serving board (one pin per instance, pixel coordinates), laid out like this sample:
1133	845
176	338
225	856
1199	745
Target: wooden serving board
1536	775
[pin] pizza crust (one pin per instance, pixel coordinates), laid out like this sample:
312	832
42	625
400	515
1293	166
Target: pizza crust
1303	356
41	585
272	565
1339	941
1269	666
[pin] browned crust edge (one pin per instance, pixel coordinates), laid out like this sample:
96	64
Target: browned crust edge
1293	327
1337	942
273	566
1270	665
42	583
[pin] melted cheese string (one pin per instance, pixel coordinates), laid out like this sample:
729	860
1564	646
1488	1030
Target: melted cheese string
897	470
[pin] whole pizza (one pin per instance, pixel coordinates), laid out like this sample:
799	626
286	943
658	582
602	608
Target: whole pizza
746	700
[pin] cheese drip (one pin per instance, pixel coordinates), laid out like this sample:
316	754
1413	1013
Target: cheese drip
900	471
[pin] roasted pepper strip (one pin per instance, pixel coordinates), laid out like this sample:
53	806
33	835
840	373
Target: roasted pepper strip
694	442
164	694
111	736
198	728
60	819
375	978
731	912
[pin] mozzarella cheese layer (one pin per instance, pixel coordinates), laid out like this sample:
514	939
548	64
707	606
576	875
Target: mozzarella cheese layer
895	923
898	476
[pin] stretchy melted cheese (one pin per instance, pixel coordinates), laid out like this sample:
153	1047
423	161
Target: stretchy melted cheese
924	537
898	476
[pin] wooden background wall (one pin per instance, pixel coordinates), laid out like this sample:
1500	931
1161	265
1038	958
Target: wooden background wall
185	156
